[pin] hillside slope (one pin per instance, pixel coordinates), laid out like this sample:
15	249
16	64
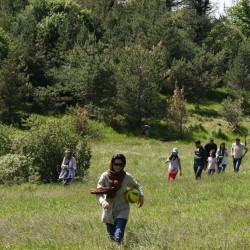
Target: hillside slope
212	213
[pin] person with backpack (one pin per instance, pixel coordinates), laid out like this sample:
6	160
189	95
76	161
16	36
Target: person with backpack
174	164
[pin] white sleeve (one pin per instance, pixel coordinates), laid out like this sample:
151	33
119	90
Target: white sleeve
217	152
101	183
62	166
132	183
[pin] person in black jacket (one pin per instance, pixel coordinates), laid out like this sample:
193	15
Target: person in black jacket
200	159
210	146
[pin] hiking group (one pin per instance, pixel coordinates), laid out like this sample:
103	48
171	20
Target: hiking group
208	158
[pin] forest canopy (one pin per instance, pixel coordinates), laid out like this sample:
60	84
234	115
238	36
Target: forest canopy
117	59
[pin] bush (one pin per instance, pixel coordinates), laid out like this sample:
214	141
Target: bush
14	168
5	139
45	143
232	110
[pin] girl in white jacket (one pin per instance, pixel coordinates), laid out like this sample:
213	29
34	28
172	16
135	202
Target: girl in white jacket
222	157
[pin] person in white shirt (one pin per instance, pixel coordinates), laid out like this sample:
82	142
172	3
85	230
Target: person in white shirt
211	160
238	151
174	164
68	168
222	157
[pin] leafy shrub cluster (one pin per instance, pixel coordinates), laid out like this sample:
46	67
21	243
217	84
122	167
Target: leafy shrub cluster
37	153
14	168
5	139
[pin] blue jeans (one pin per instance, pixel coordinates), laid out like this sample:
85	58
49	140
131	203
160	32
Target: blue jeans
116	231
223	167
237	162
67	181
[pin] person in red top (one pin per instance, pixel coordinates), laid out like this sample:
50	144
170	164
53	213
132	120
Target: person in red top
174	164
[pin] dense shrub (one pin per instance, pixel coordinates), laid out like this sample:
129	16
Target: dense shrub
4	44
232	110
45	143
14	168
5	139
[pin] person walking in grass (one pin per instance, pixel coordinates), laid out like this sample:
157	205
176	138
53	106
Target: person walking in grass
210	146
174	164
211	160
68	168
222	157
110	193
200	159
238	151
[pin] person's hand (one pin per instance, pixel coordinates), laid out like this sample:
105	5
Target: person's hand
141	201
105	205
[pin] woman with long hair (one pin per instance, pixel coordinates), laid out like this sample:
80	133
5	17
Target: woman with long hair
174	164
110	193
222	157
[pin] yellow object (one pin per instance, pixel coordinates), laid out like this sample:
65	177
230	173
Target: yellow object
132	195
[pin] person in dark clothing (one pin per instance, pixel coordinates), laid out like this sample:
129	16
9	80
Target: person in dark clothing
145	130
210	146
200	159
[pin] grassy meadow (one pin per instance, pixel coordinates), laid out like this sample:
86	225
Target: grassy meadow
212	213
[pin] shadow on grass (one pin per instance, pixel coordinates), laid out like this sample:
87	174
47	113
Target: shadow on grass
207	112
165	132
159	131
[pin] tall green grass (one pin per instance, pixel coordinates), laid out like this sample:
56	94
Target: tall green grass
212	213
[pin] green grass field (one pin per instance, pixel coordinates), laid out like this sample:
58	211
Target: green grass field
212	213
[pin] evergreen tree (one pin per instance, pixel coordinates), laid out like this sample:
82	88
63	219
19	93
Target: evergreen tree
137	84
199	11
4	44
197	75
238	75
11	81
239	15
